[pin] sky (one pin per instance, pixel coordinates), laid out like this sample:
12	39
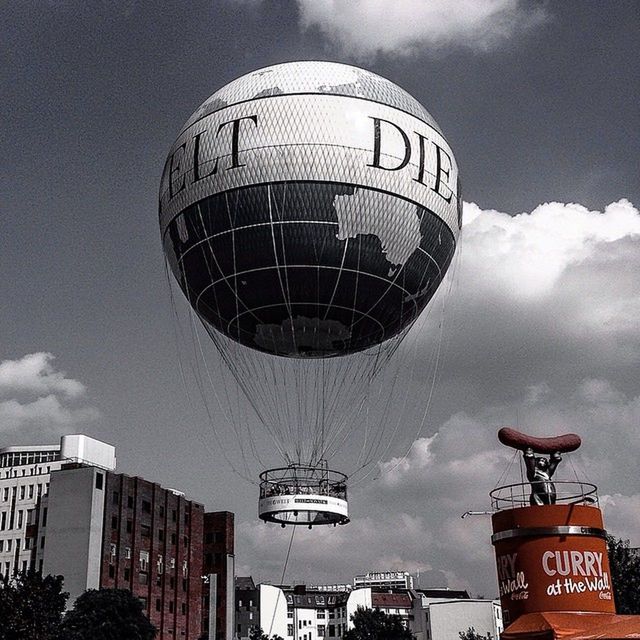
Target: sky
541	321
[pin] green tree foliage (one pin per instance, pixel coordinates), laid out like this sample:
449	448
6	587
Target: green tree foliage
256	633
373	624
107	614
625	576
31	606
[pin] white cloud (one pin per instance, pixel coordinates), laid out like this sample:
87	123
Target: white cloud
545	337
365	27
38	398
34	373
45	413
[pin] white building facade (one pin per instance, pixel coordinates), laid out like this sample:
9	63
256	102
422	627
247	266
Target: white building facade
301	614
25	473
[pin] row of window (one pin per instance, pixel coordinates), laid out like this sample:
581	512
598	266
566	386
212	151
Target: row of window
144	560
145	532
34	471
7	545
334	631
24	492
19	458
320	614
146	507
22	517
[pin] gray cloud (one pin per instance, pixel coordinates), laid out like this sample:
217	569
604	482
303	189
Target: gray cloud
38	398
365	27
545	337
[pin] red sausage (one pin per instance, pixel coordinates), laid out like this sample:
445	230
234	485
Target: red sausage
517	440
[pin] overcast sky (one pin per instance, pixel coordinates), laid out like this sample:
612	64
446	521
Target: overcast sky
542	324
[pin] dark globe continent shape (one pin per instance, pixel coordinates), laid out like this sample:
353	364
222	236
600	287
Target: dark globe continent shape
308	269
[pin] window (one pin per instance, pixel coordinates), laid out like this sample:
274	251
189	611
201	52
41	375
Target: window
116	497
6	494
183	608
112	571
171	607
174	539
289	629
160	535
143	577
174	515
321	630
44	516
113	551
186	542
42	542
99	480
127	553
184	584
20	518
129	526
160	564
321	615
114	522
130	502
145	531
30	492
127	573
144	560
1	545
3	521
23	489
146	506
9	544
161	511
158	604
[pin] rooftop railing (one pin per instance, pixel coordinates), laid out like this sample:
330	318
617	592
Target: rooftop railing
512	496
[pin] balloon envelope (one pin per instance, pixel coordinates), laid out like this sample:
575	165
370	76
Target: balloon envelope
310	209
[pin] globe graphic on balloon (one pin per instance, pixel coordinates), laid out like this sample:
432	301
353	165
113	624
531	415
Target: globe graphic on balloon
310	209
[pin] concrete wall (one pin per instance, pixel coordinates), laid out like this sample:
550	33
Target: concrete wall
447	619
74	528
358	598
273	611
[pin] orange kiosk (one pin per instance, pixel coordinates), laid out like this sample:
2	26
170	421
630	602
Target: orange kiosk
551	554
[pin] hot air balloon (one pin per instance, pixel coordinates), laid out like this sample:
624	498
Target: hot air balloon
308	212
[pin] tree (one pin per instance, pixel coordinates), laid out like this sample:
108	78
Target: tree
625	575
256	633
31	606
471	634
107	614
373	624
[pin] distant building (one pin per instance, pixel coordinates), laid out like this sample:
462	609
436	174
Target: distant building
247	607
311	613
301	613
384	579
440	614
25	475
391	602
